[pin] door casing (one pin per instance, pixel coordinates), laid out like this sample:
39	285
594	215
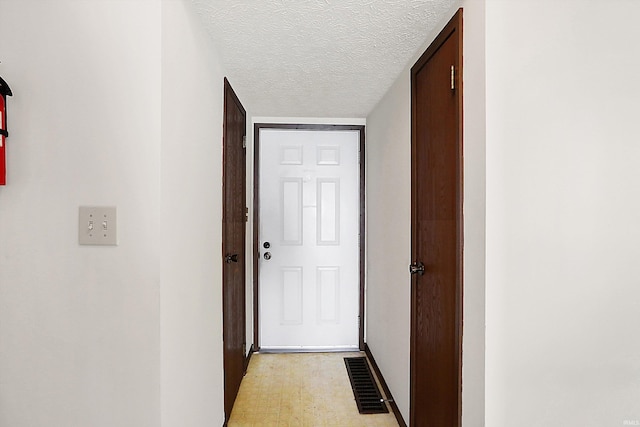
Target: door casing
256	217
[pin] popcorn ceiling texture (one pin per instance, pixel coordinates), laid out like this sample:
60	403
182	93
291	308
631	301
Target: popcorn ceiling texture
317	58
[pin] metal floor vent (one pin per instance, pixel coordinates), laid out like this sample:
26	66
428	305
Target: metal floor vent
365	390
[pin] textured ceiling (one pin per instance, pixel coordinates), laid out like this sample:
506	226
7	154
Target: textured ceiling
317	58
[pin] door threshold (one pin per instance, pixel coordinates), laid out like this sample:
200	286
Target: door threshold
309	349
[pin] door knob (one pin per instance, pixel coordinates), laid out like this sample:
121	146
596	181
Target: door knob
267	256
416	268
231	258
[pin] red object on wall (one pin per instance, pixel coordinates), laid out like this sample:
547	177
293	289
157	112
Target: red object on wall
4	92
3	125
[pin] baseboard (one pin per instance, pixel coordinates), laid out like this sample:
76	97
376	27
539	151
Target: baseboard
247	359
385	388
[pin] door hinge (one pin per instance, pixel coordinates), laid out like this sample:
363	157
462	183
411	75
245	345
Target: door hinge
453	77
244	141
246	214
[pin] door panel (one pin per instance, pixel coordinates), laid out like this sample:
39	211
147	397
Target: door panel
233	246
437	232
328	202
309	218
291	204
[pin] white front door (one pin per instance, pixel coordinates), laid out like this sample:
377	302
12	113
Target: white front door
309	275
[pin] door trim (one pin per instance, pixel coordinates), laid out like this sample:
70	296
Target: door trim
453	26
256	216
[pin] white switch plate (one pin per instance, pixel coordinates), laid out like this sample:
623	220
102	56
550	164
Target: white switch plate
97	225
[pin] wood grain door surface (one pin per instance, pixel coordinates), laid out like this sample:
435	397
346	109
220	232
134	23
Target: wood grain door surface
233	246
437	232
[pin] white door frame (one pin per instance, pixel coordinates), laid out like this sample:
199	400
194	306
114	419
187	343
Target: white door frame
256	217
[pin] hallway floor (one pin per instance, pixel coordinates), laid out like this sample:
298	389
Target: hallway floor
301	389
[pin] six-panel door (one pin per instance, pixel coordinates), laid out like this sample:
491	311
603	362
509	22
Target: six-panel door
309	239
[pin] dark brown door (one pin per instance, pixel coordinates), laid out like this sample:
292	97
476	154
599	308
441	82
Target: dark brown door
436	285
233	246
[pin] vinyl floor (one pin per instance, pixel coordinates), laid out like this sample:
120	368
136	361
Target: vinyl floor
301	389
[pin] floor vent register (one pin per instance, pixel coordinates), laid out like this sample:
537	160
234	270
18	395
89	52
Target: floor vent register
365	390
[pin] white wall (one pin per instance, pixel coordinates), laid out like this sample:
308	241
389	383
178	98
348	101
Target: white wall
191	214
562	213
388	165
116	103
473	340
389	225
79	326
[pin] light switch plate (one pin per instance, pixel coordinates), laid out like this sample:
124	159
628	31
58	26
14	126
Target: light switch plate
97	225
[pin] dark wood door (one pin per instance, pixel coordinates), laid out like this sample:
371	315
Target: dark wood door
233	246
436	292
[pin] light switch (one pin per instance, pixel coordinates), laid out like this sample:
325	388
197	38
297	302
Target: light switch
97	225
